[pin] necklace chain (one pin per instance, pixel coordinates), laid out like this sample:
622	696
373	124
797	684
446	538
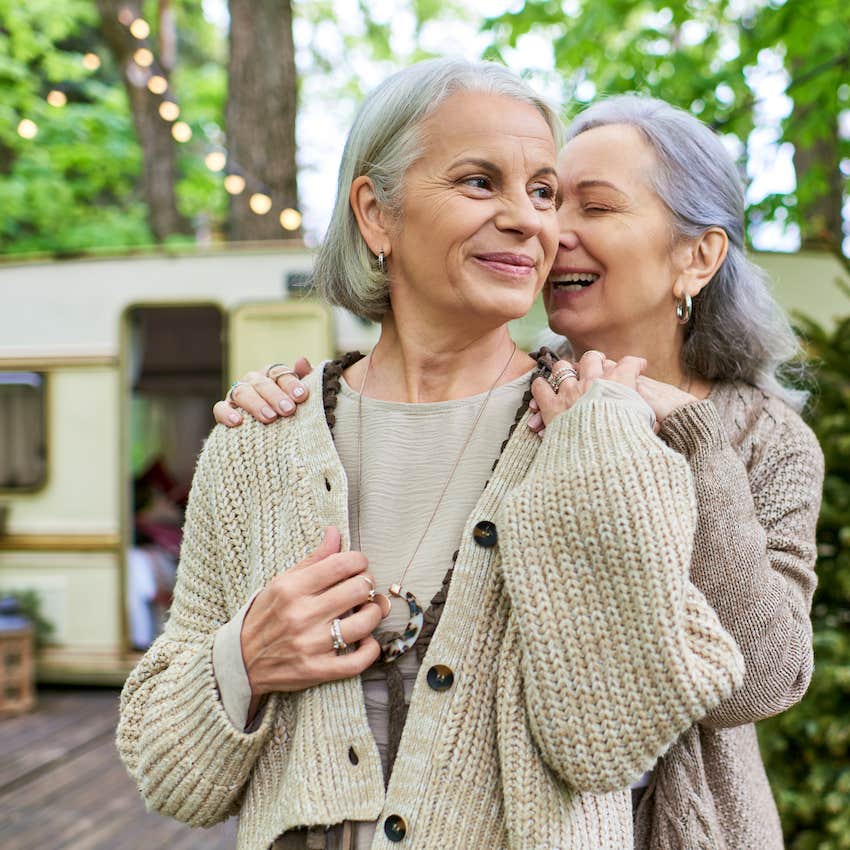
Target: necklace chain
396	588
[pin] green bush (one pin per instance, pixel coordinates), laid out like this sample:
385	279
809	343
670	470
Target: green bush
807	749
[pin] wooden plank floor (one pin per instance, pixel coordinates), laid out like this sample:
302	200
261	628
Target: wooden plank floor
63	787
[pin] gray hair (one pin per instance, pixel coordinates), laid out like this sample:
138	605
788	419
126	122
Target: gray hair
737	331
384	142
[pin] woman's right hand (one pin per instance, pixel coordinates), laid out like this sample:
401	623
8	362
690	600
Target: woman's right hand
287	643
273	392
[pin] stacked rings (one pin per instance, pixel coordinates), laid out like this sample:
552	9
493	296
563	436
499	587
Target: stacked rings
558	378
281	370
339	643
372	592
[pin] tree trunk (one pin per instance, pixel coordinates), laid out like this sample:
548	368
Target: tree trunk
261	107
154	134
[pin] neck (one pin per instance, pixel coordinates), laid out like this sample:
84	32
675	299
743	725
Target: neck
437	365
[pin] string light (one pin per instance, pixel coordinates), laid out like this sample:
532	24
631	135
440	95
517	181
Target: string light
143	57
27	129
56	98
181	131
215	160
169	110
91	61
234	184
260	203
157	84
140	29
290	219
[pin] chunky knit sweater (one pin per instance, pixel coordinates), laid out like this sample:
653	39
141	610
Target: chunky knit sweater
758	472
579	649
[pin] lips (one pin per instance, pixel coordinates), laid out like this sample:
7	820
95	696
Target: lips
517	265
572	280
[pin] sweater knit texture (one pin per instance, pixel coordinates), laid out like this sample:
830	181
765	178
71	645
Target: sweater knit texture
581	650
758	472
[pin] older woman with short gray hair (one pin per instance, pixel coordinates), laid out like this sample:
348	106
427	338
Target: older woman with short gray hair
501	714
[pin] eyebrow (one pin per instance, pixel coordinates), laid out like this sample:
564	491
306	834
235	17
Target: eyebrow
486	165
593	184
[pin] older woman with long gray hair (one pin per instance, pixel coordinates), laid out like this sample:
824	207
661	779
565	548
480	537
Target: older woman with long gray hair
651	262
556	569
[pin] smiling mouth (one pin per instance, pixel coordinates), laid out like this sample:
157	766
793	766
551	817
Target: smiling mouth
574	282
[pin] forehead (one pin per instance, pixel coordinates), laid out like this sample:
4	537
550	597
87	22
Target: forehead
617	153
490	126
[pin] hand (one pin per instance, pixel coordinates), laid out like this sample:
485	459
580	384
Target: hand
547	404
286	634
265	395
662	398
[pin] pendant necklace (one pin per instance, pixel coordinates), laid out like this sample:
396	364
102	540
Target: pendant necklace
397	646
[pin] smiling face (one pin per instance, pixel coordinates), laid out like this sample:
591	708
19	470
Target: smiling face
478	229
617	271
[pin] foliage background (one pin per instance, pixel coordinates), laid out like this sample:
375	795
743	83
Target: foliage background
76	187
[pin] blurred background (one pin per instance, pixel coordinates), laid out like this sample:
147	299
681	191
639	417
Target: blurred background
167	167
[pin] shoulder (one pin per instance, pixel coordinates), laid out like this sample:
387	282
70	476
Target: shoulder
761	425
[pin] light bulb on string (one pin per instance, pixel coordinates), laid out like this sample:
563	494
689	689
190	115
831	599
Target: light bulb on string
91	61
169	110
290	219
234	184
56	98
140	29
27	129
215	160
143	57
260	203
158	84
181	131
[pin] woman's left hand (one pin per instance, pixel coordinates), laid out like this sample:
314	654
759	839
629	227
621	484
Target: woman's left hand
592	366
662	398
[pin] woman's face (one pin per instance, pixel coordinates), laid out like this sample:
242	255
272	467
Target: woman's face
478	231
616	265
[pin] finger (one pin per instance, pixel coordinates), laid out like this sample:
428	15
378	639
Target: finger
535	423
246	397
345	595
318	577
303	367
629	369
225	415
274	393
291	387
351	663
330	545
533	406
358	625
591	365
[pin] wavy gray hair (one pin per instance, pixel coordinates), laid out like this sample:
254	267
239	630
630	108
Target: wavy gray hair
738	331
383	143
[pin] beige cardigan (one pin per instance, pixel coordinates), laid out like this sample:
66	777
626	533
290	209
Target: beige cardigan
758	471
579	648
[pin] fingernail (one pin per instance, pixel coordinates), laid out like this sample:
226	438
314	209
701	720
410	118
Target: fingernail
235	418
286	405
298	391
535	421
267	412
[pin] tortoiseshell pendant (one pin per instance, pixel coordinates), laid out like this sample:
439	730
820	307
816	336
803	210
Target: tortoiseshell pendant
398	646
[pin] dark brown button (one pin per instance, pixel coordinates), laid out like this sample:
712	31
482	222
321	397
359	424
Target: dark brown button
395	828
484	534
352	756
440	677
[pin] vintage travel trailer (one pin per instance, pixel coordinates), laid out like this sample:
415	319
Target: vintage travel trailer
108	369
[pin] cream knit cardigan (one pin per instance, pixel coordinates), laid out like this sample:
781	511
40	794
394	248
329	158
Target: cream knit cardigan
579	647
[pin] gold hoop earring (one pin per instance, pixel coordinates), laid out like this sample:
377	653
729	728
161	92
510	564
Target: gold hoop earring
382	262
684	308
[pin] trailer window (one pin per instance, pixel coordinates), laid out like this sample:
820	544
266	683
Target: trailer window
22	431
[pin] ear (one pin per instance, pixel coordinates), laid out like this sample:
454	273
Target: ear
701	259
371	219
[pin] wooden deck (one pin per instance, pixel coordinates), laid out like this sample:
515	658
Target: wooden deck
63	787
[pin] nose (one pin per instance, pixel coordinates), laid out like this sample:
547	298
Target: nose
519	214
567	235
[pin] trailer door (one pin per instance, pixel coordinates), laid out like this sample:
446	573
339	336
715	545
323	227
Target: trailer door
278	332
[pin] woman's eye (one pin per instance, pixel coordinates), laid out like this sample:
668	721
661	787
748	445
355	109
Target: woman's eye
477	182
593	208
544	195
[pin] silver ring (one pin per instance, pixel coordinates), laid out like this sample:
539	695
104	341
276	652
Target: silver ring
233	386
558	378
372	591
285	371
336	636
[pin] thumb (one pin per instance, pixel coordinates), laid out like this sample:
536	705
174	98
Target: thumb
329	546
303	367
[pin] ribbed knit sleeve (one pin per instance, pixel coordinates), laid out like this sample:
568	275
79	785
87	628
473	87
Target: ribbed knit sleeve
187	758
620	653
754	551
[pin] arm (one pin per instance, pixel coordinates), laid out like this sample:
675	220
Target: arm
754	553
188	760
620	653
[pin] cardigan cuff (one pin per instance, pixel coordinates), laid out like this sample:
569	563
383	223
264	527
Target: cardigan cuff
693	428
229	668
